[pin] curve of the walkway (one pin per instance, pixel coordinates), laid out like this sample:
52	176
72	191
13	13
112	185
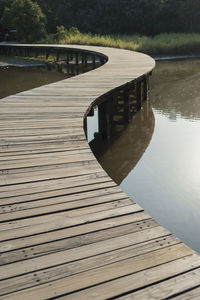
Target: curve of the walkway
67	230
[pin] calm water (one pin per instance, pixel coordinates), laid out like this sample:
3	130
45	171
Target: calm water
15	79
159	167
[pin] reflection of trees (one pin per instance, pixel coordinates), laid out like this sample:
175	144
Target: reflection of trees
175	88
120	155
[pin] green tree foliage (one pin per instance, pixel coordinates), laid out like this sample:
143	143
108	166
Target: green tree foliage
3	4
148	17
123	16
27	18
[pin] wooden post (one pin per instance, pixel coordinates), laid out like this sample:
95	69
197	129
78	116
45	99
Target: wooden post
71	56
93	61
145	89
101	60
85	60
77	60
148	88
104	119
82	58
108	118
28	52
47	53
69	70
85	127
127	106
36	52
139	100
67	58
73	73
57	55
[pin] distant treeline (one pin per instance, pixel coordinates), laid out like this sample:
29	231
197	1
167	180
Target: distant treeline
144	17
148	17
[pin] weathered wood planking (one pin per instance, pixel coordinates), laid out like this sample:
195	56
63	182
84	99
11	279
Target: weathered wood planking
67	230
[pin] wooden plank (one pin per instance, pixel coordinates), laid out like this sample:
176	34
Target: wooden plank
192	293
62	257
35	132
54	160
139	280
169	288
43	175
43	224
102	274
38	192
71	193
71	208
49	155
89	239
41	147
67	201
56	184
83	265
140	220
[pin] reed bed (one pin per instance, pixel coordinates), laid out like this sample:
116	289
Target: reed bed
162	44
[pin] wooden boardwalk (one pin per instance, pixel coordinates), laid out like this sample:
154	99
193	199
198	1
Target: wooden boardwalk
67	230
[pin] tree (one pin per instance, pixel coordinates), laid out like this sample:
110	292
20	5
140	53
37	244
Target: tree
3	4
27	18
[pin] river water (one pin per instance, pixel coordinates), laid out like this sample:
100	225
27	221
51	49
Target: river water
18	79
156	160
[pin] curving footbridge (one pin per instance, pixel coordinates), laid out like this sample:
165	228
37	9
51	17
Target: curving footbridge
67	230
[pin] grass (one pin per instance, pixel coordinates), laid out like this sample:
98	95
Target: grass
162	44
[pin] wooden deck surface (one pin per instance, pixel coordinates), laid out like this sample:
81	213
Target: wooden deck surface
67	230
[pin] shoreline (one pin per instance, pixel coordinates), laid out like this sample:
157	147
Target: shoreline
19	62
175	57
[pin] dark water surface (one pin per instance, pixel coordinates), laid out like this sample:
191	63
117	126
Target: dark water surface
161	172
17	79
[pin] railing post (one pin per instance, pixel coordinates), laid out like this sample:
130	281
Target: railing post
77	59
145	88
47	53
85	127
127	106
94	61
67	58
104	119
57	55
85	61
71	56
139	98
36	53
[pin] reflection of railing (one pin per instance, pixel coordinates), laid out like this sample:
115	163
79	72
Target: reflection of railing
78	60
120	154
119	106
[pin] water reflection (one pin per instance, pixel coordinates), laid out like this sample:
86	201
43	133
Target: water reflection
119	157
15	79
166	180
177	93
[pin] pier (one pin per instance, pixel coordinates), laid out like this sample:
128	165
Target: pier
67	230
